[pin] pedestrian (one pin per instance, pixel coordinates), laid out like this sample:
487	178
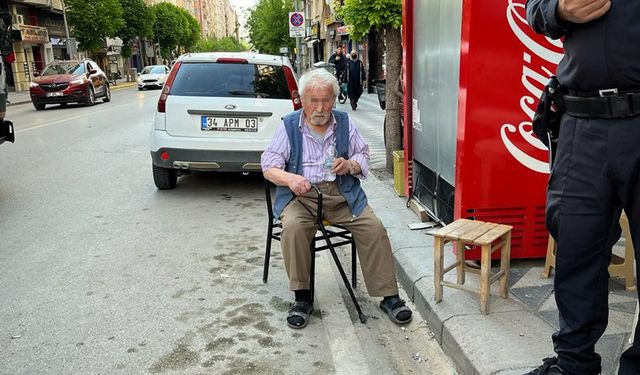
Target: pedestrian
596	170
293	161
355	77
339	61
6	58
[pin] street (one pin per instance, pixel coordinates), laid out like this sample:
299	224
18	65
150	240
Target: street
101	273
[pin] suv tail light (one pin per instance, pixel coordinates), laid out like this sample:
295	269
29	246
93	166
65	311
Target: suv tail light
293	88
166	90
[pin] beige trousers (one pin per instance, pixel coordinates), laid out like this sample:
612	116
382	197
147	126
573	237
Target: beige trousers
372	243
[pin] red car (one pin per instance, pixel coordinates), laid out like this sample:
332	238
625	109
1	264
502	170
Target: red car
63	82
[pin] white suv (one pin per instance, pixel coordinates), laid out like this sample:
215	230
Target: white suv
218	112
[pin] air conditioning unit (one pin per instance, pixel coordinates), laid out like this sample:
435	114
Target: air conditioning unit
18	19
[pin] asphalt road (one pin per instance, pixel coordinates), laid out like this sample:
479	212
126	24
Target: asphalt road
100	273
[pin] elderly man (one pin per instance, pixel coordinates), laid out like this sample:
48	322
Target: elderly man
295	160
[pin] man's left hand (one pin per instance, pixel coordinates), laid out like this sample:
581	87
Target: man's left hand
341	166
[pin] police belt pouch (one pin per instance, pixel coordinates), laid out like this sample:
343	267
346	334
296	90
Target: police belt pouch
546	120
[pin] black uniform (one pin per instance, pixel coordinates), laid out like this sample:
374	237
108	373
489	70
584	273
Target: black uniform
596	173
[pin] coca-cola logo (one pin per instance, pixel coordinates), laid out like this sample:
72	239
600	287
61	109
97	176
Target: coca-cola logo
540	57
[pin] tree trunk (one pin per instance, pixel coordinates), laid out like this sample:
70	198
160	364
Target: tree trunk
393	128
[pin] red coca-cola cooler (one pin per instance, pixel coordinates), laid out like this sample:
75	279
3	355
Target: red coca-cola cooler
473	71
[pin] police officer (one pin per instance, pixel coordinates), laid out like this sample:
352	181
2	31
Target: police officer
596	173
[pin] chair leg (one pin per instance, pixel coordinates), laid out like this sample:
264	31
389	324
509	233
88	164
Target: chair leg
550	259
505	259
312	274
354	266
460	268
267	255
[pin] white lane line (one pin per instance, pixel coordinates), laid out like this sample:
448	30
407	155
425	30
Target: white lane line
66	119
348	357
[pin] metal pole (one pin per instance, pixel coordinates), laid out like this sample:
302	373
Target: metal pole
66	30
298	56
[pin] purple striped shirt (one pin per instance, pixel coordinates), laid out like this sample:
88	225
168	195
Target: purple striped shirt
277	153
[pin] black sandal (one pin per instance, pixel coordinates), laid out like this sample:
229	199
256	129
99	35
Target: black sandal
394	307
299	314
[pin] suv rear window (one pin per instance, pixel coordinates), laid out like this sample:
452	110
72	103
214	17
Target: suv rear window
231	80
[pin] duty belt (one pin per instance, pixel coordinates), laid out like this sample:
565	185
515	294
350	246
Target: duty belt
602	104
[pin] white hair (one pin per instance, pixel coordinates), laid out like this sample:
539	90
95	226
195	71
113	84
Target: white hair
316	78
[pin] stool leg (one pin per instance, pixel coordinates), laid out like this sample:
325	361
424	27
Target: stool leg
460	268
438	266
505	259
485	271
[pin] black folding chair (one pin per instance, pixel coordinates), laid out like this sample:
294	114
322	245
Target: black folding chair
333	236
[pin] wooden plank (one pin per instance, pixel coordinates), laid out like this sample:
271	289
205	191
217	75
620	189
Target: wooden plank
416	207
476	232
460	287
493	234
444	230
458	233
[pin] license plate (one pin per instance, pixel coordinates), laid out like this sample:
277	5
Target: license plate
57	93
229	124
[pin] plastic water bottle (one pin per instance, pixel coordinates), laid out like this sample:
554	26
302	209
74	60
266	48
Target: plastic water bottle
329	157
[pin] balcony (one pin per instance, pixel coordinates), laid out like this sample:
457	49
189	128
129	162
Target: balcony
56	5
38	3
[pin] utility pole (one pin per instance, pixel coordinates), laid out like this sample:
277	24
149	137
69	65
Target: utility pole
298	56
66	30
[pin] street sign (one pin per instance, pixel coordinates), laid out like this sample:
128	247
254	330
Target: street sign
296	24
284	50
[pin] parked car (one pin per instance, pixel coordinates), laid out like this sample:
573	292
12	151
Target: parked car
62	82
152	76
218	112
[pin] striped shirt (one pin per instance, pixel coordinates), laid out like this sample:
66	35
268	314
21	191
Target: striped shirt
277	153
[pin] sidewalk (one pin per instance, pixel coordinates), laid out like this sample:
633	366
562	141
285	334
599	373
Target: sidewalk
516	335
22	97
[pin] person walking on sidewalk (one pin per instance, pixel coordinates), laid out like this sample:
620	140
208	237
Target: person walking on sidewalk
355	79
293	161
596	172
339	61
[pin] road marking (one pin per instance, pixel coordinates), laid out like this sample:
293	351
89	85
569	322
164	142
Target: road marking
348	357
66	119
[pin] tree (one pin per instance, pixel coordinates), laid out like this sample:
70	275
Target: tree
268	25
386	16
167	28
226	44
138	22
94	21
190	31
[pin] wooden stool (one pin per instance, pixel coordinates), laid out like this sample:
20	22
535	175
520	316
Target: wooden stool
475	233
619	267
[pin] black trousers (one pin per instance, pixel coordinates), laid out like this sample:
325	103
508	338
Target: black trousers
595	176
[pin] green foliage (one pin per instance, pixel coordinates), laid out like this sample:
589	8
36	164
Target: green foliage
138	22
191	31
362	15
174	27
226	44
268	25
93	21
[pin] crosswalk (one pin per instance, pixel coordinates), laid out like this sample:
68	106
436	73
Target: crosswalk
370	121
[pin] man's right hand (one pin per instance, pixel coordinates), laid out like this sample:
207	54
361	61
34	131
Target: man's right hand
582	11
299	184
